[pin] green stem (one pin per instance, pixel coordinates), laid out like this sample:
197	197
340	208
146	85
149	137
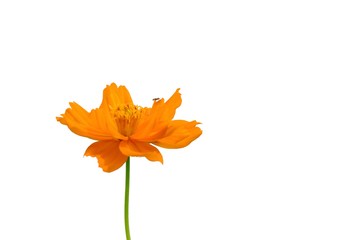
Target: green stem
127	186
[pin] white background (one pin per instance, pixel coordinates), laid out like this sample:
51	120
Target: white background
274	83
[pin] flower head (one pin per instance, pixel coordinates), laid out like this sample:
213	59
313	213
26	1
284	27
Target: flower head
123	129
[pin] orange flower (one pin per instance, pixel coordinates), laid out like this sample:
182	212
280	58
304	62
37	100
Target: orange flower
123	129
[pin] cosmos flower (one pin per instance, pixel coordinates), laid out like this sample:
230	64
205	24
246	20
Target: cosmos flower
122	129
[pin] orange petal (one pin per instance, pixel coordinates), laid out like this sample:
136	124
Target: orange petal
108	154
179	134
114	96
93	125
140	149
154	125
171	105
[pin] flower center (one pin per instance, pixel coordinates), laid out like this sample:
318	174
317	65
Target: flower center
127	117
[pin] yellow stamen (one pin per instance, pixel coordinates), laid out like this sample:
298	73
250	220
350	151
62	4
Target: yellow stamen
127	117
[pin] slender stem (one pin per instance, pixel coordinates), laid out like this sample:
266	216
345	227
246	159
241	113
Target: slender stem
127	186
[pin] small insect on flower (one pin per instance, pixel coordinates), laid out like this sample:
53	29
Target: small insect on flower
156	99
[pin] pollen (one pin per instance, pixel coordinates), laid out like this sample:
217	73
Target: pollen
127	117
